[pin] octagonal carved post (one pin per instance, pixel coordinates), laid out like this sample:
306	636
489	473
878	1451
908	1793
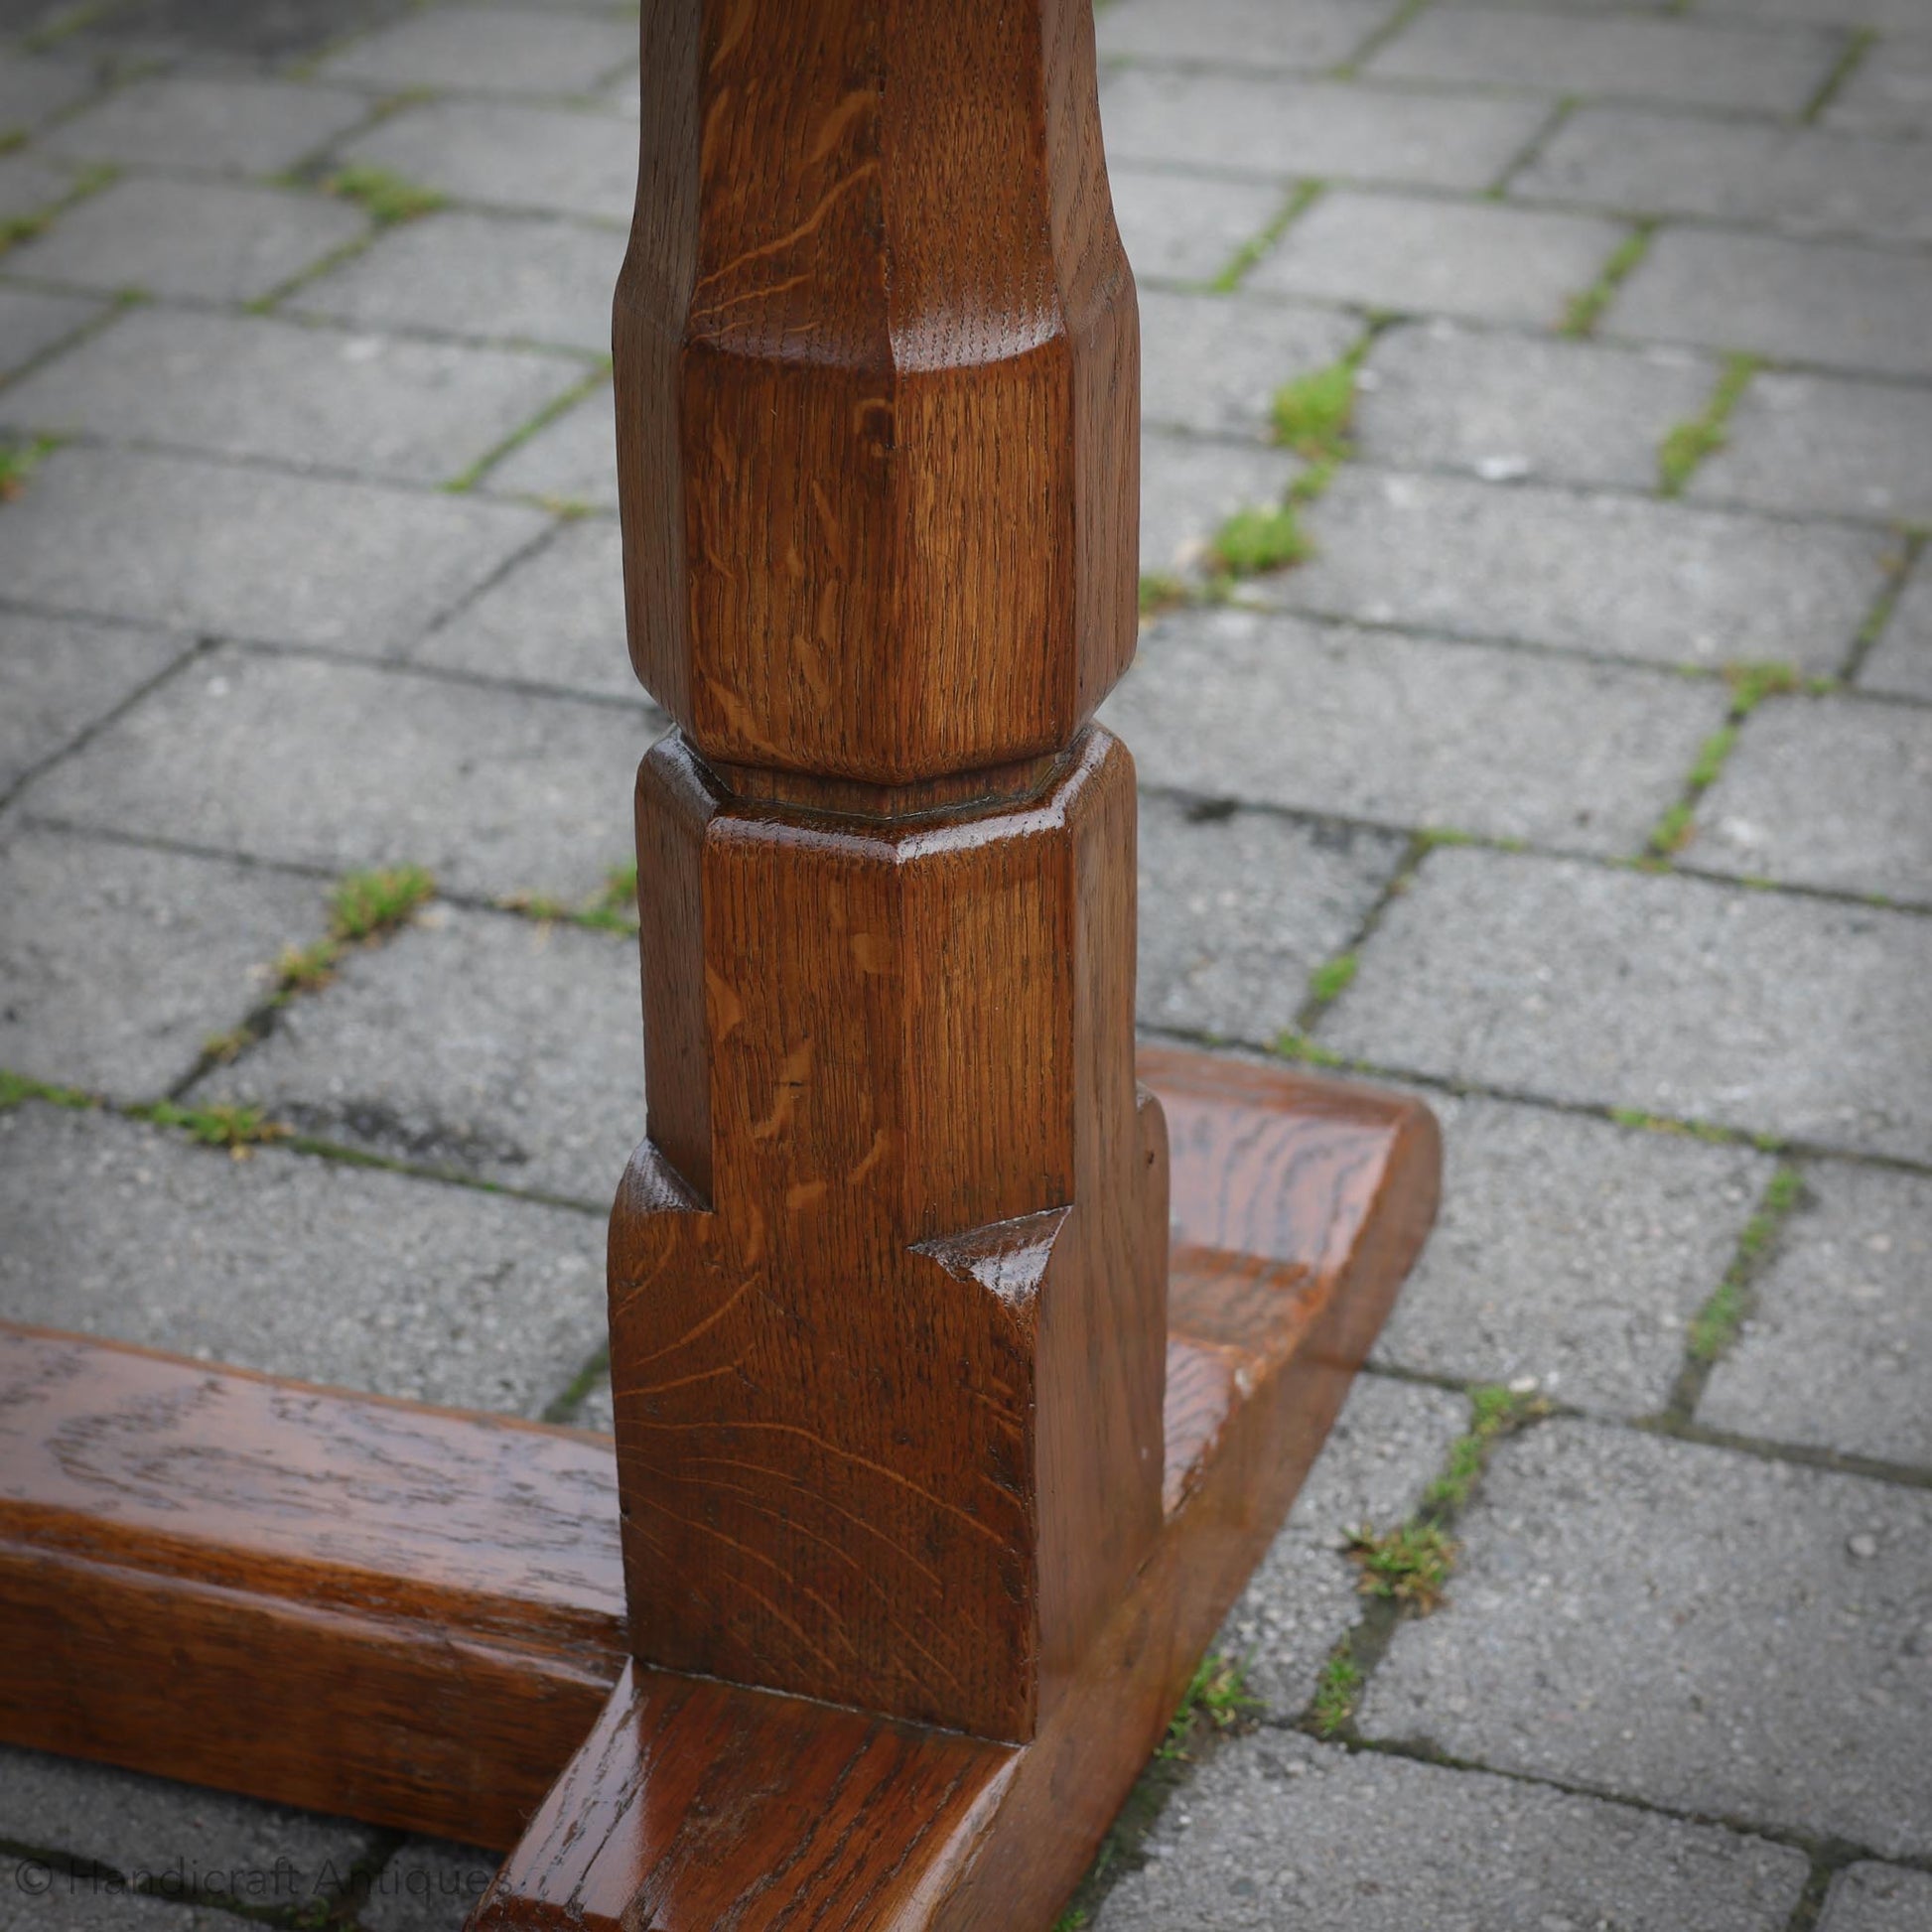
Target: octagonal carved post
887	1276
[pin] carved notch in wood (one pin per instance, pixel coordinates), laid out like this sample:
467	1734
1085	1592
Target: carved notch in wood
888	1277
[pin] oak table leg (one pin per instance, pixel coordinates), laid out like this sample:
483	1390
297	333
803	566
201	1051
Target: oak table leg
960	1376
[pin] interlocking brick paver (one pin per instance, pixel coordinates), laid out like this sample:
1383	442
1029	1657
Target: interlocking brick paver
1462	258
82	1905
1822	792
477	1042
134	958
488	50
1902	661
31	322
301	560
1386	1447
1278	1831
58	675
1190	487
1611	574
252	126
211	239
1580	983
316	1268
1891	89
1181	228
1838	1351
1767	175
1570	1251
1830	302
1811	443
555	619
1898	16
428	1886
573	460
546	159
1245	34
253	387
498	278
1506	404
131	1824
1237	909
34	88
1695	61
31	184
1246	125
1213	363
1699	1628
1411	732
340	766
1869	1897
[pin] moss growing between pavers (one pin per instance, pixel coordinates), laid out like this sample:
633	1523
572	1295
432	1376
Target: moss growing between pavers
223	1124
1216	1698
1717	1324
1312	414
1704	435
1580	315
15	1087
388	196
1255	540
1330	980
1160	593
1336	1693
19	461
613	907
1750	684
1306	195
557	406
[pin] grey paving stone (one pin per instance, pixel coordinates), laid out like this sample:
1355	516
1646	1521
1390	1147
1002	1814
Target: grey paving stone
1238	907
1692	1626
545	160
1181	228
35	1897
1695	61
1822	792
1462	258
1387	1446
1189	488
1213	363
1879	1899
428	1886
494	278
58	675
1835	303
1839	1350
120	962
1902	661
1789	1015
1570	1251
1800	178
209	122
1901	16
1411	732
555	619
168	1834
1438	395
1891	89
488	50
31	184
1811	443
301	560
1280	1831
1247	34
316	1268
34	88
477	1042
1613	573
342	765
571	461
31	322
210	239
253	387
1242	125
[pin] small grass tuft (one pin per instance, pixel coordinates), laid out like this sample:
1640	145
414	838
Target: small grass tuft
223	1048
1705	434
223	1124
389	197
307	969
1292	1045
1160	593
18	461
15	1087
1312	413
1494	1411
1255	540
1409	1564
365	904
1332	979
1075	1919
1217	1694
1335	1692
1752	680
1583	312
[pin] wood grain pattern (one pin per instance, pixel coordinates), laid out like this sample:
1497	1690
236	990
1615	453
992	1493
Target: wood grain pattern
714	1806
876	385
335	1601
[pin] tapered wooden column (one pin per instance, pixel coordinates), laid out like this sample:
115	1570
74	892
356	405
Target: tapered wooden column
887	1277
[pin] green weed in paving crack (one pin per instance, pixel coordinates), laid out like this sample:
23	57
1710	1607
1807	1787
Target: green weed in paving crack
236	1128
1255	540
611	909
1160	594
1690	443
1216	1697
1583	312
1717	1324
1312	413
1330	980
15	1087
389	197
363	906
19	461
1252	250
1750	682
